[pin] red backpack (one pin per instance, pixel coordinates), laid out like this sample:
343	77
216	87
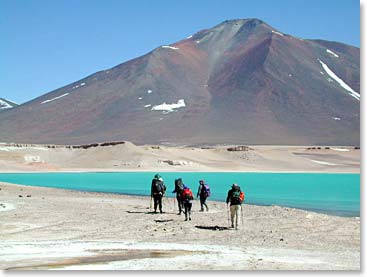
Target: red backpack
187	194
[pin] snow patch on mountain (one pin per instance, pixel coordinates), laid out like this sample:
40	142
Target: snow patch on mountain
80	85
58	97
275	32
4	105
352	93
170	47
149	91
332	53
169	107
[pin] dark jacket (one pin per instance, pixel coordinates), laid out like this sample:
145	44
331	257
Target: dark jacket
232	200
201	191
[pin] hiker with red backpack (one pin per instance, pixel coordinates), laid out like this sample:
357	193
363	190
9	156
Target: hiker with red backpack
157	192
235	197
179	187
203	194
187	197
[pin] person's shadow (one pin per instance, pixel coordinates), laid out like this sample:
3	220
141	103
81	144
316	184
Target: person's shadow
150	212
213	228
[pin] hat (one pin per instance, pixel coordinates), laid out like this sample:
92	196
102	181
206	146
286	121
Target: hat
201	181
157	176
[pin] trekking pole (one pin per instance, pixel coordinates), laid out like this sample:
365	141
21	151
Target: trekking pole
174	203
242	217
228	214
164	200
150	205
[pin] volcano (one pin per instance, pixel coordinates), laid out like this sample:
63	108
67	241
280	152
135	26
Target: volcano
240	82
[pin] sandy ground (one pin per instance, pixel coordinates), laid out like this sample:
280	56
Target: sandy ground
45	228
129	157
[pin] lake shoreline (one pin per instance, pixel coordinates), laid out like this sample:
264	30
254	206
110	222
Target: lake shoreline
47	224
287	186
325	212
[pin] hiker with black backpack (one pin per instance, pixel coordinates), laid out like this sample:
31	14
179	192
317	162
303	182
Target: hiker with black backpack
179	187
235	197
157	192
187	197
203	194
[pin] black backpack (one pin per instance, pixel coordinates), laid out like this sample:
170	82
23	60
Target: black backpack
158	187
179	186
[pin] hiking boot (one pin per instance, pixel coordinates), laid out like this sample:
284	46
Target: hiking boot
161	211
207	209
189	218
232	226
201	210
179	213
186	219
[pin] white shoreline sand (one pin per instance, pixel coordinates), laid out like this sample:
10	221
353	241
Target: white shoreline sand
61	229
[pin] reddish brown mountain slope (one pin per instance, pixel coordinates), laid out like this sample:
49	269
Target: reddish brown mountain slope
241	82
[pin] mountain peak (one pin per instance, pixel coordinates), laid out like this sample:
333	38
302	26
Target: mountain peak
243	21
249	23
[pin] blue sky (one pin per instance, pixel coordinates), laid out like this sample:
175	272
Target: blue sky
48	44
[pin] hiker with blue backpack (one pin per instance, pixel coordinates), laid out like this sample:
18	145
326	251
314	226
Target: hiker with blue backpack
179	187
203	194
157	192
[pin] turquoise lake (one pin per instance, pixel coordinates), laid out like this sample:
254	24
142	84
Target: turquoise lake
337	194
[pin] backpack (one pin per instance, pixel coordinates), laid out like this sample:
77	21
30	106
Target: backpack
238	196
158	187
179	185
206	190
187	194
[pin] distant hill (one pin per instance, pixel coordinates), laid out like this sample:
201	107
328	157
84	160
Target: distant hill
241	81
6	104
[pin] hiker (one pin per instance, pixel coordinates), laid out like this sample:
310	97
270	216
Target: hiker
235	197
179	187
187	197
203	193
157	192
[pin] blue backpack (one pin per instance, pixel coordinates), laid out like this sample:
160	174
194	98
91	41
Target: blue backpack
206	190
